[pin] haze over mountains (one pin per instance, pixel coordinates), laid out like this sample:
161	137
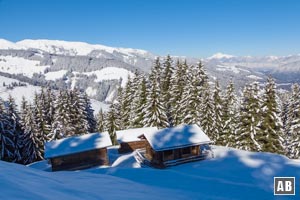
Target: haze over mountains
100	69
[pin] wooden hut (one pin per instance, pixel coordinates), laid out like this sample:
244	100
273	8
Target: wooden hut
78	152
129	139
172	146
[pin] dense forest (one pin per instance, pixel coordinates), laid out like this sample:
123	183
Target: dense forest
260	119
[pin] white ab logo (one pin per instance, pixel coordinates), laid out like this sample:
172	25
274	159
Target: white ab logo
287	188
284	185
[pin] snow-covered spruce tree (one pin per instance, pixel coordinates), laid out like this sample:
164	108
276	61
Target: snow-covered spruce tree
126	104
271	140
6	135
118	102
50	101
229	118
23	108
139	103
178	83
101	122
78	113
32	143
167	74
16	127
217	113
250	119
284	100
293	124
43	114
136	81
206	111
40	118
157	71
200	75
155	114
89	114
62	124
191	104
111	123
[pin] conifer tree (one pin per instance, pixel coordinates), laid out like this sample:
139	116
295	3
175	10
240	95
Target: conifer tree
43	113
229	118
16	128
155	114
50	110
62	124
78	113
249	130
118	105
101	122
40	117
6	135
217	113
89	114
135	98
156	71
178	82
126	105
271	139
139	103
201	76
293	124
190	104
206	111
32	148
111	124
166	78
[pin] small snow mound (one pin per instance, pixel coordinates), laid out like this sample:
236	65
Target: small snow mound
126	161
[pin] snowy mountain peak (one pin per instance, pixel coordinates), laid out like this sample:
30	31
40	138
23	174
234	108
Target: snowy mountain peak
5	44
74	48
220	56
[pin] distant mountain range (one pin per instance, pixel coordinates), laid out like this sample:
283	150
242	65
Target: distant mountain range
99	69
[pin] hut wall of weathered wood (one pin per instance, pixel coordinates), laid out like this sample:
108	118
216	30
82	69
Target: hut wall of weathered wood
126	147
80	160
160	158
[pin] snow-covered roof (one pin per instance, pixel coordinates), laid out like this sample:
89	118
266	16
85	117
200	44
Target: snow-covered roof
77	144
131	135
176	137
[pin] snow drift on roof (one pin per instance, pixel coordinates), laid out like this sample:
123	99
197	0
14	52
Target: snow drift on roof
131	135
179	136
77	144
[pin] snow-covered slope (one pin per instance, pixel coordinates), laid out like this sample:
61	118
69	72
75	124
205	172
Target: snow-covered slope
75	48
232	174
29	91
72	64
5	44
17	65
18	92
111	73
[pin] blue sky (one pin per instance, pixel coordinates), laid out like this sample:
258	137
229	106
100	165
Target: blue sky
197	28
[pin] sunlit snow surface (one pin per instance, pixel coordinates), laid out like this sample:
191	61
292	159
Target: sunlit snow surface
111	73
55	75
18	65
232	174
29	91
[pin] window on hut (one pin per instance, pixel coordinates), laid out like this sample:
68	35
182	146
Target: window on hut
186	151
168	155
